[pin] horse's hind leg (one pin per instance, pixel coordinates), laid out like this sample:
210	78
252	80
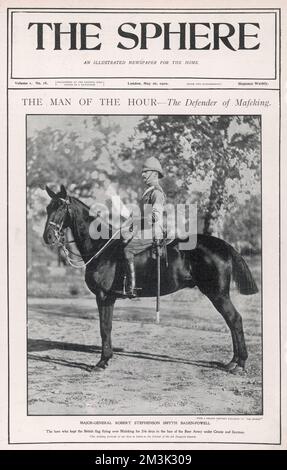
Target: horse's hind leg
217	291
106	307
233	319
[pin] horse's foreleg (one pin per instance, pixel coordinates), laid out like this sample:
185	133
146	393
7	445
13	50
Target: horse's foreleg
106	307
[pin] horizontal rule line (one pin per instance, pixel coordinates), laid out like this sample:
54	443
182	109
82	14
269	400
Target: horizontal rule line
128	114
156	10
144	442
141	89
138	78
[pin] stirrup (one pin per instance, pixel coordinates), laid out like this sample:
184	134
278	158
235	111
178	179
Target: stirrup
131	293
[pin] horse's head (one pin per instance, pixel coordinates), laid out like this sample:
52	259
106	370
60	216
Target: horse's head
58	216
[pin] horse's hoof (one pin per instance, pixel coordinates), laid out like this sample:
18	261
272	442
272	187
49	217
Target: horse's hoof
238	371
95	370
102	364
231	366
98	367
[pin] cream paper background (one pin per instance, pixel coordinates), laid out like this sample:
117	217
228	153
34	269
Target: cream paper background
31	432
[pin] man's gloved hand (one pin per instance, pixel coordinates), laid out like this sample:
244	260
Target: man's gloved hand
157	246
127	233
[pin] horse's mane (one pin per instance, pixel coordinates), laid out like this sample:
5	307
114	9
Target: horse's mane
87	214
75	199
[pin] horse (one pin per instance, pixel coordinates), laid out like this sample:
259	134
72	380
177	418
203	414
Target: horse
211	264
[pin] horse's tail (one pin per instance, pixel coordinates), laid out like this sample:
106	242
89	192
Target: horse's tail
242	275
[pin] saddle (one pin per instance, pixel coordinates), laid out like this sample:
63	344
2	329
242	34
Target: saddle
120	290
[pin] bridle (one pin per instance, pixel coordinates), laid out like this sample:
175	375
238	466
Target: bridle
57	229
60	241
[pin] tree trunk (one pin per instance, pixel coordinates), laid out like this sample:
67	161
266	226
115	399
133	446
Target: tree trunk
214	204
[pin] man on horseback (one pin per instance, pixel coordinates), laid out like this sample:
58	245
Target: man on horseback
153	198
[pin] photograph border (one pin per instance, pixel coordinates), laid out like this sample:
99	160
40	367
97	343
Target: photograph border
162	414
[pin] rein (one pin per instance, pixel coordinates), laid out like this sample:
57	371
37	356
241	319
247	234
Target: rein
95	256
59	235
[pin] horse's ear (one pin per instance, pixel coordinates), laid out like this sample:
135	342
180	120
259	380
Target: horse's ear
50	192
63	191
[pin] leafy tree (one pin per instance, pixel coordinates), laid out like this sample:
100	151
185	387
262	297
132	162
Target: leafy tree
244	219
215	157
79	159
211	160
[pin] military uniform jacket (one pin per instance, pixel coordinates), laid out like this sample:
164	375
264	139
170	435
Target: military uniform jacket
152	205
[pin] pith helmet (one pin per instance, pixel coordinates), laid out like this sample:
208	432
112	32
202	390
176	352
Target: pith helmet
153	164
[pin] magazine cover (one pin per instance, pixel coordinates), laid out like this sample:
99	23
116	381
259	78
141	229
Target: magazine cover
142	176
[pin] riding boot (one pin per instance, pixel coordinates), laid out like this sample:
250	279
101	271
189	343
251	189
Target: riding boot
131	279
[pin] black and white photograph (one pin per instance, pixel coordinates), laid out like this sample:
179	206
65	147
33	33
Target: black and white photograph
144	265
